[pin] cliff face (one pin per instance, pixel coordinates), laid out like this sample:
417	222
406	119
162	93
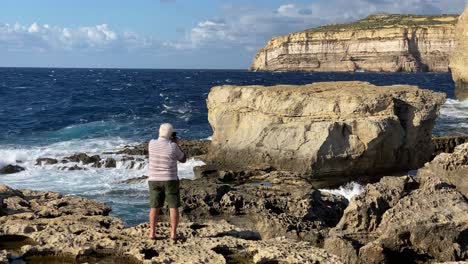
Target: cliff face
388	43
459	58
323	129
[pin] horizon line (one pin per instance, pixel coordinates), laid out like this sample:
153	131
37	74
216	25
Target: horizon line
120	68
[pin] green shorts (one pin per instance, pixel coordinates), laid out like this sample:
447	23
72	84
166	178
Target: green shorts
164	190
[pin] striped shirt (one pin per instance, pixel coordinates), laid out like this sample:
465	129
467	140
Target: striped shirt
163	157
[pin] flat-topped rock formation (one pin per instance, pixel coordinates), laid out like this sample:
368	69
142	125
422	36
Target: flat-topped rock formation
323	129
459	58
378	43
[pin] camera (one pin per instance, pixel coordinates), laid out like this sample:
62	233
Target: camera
174	136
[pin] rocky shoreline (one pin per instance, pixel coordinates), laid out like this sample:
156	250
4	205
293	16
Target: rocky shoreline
258	199
256	216
422	218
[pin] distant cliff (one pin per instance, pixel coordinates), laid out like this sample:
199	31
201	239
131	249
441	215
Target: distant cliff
459	58
378	43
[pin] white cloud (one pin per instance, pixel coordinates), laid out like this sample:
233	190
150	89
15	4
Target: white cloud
249	27
38	37
239	28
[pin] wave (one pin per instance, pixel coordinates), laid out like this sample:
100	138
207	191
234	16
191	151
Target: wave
453	118
348	190
454	108
92	181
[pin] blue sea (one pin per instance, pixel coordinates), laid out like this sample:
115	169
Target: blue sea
47	112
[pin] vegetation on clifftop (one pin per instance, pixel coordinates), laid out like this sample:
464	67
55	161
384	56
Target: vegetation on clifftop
389	20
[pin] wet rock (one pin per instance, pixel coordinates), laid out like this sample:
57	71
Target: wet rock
84	158
73	168
10	169
139	150
110	163
137	165
76	167
126	158
135	180
46	161
192	148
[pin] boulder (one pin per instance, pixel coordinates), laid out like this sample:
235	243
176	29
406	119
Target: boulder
84	158
110	163
403	220
10	169
323	129
364	213
451	167
459	57
46	161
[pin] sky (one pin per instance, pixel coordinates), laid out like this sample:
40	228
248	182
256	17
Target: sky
184	34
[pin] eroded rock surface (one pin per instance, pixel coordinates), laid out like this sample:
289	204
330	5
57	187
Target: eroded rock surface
323	129
451	167
403	219
76	228
447	144
274	204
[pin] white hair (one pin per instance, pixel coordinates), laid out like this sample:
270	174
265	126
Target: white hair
165	130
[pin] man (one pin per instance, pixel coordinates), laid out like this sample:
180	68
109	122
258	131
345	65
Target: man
162	177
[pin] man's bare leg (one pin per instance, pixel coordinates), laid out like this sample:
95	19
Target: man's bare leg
174	213
153	219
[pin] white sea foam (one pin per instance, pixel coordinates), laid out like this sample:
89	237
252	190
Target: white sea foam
91	181
455	109
348	190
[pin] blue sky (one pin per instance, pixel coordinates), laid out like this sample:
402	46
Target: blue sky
170	33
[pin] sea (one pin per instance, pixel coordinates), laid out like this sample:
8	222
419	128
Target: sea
56	112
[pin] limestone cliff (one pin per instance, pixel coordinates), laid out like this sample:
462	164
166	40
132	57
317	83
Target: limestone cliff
459	58
378	43
323	129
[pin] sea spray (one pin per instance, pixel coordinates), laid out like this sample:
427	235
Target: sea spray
348	190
